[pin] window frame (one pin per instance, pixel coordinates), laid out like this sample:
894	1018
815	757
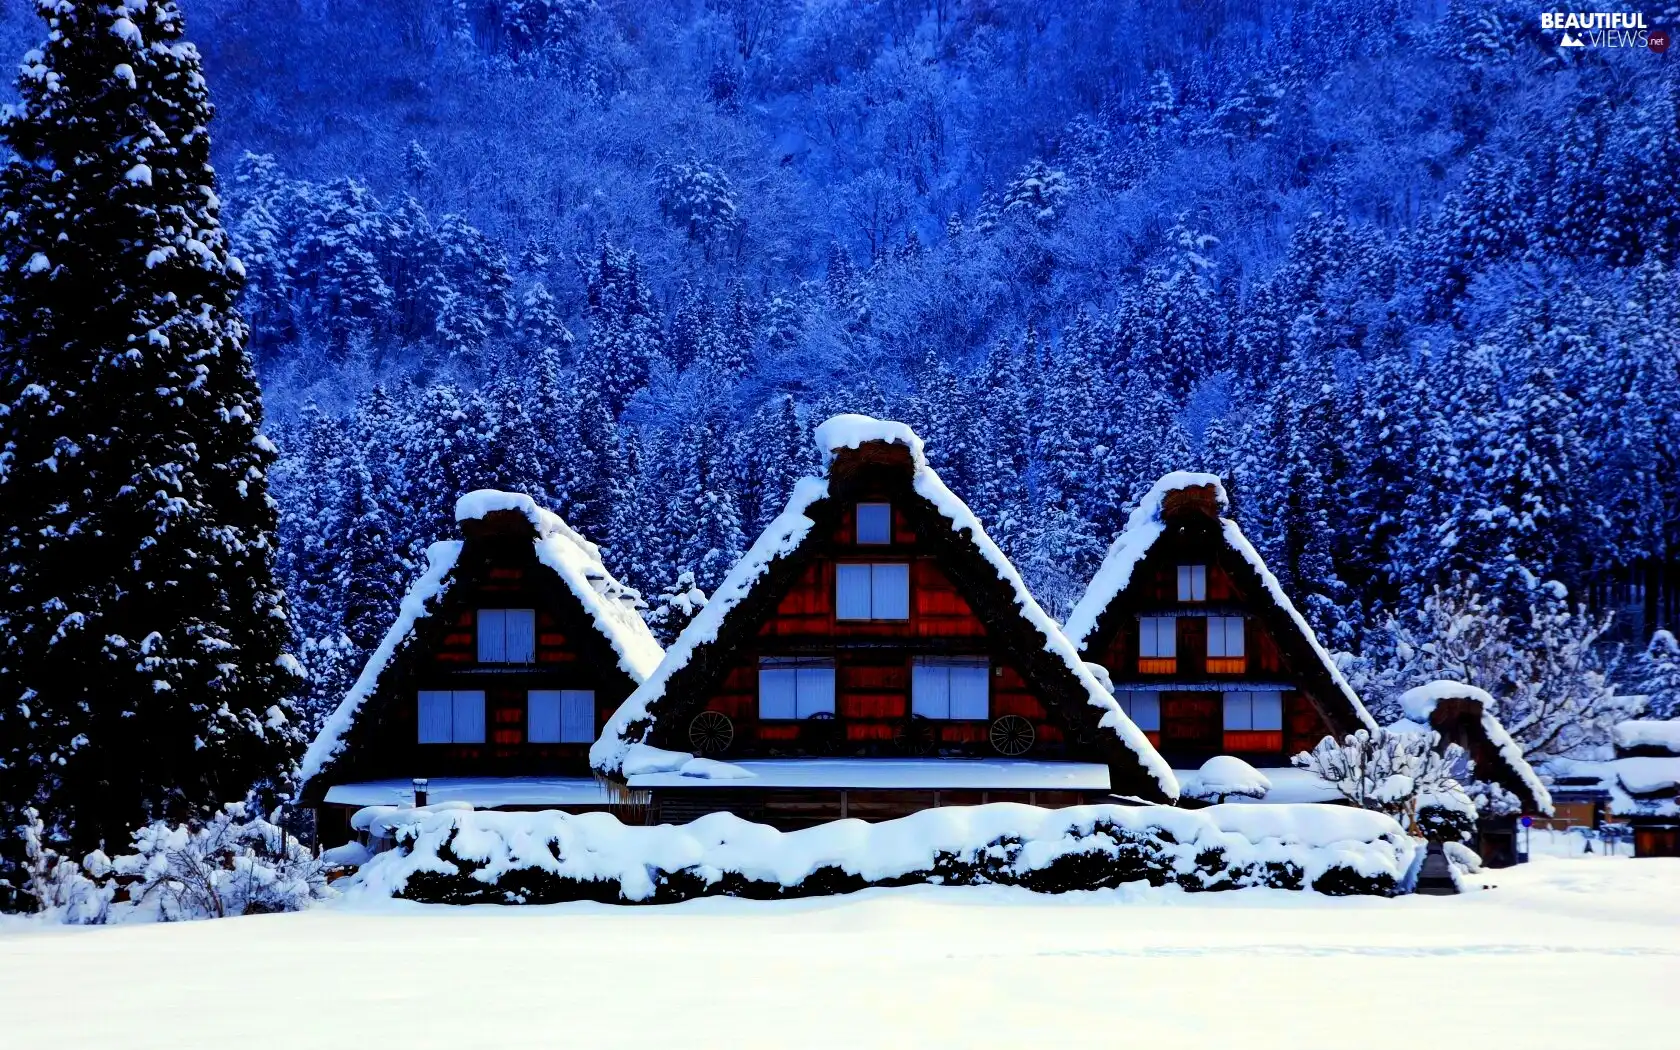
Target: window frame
1150	711
1246	703
940	670
811	693
567	730
1192	578
501	618
455	704
874	572
857	524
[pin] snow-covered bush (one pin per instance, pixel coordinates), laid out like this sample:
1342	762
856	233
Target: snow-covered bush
455	856
237	863
1394	773
57	885
1227	776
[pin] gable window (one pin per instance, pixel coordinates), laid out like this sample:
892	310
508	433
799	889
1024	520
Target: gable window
507	636
874	523
879	591
794	688
1192	583
1258	712
1157	645
451	717
560	716
954	688
1225	653
1143	708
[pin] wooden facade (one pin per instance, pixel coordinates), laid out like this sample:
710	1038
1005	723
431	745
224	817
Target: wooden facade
1193	583
496	571
950	668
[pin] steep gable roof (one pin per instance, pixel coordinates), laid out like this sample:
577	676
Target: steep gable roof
695	659
610	606
1187	498
1452	708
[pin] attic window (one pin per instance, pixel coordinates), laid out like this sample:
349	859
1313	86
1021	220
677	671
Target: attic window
507	636
795	688
451	717
874	523
1192	583
957	688
865	591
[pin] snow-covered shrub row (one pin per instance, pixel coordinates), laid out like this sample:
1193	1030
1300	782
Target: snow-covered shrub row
456	856
236	863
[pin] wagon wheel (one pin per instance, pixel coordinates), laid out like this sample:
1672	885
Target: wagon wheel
1012	735
821	733
711	732
914	737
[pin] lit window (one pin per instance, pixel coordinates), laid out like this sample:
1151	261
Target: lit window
1192	583
1158	637
795	688
1262	711
560	716
955	688
1225	636
874	523
507	636
451	717
878	591
1143	708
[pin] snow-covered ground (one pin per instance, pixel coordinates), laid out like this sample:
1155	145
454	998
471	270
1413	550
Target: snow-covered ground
1561	953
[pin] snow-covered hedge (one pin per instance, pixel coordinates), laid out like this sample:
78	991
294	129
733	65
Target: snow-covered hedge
457	856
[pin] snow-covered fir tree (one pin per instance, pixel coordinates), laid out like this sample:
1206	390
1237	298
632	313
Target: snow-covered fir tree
144	658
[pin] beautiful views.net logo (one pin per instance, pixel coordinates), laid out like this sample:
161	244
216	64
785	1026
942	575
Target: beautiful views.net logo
1604	29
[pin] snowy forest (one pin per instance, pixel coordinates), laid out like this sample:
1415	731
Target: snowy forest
1403	274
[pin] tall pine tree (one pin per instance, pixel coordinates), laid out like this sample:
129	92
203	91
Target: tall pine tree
143	663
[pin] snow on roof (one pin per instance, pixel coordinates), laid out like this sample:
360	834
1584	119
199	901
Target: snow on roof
1420	702
1631	783
481	792
1648	733
897	773
1143	528
611	606
1289	786
790	529
440	559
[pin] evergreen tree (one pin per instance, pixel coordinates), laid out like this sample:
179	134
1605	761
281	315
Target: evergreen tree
143	640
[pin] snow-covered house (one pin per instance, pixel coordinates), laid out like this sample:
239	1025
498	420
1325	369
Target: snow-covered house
1497	777
1641	785
873	654
1205	651
504	661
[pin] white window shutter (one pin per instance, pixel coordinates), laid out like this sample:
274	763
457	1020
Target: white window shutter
890	591
1268	710
469	716
930	689
492	636
436	716
814	691
1159	635
521	636
1145	710
577	716
851	585
971	691
542	716
776	693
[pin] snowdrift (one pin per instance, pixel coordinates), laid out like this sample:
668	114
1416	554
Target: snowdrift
461	856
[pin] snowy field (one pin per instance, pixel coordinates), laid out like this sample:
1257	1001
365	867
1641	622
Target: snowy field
1560	953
